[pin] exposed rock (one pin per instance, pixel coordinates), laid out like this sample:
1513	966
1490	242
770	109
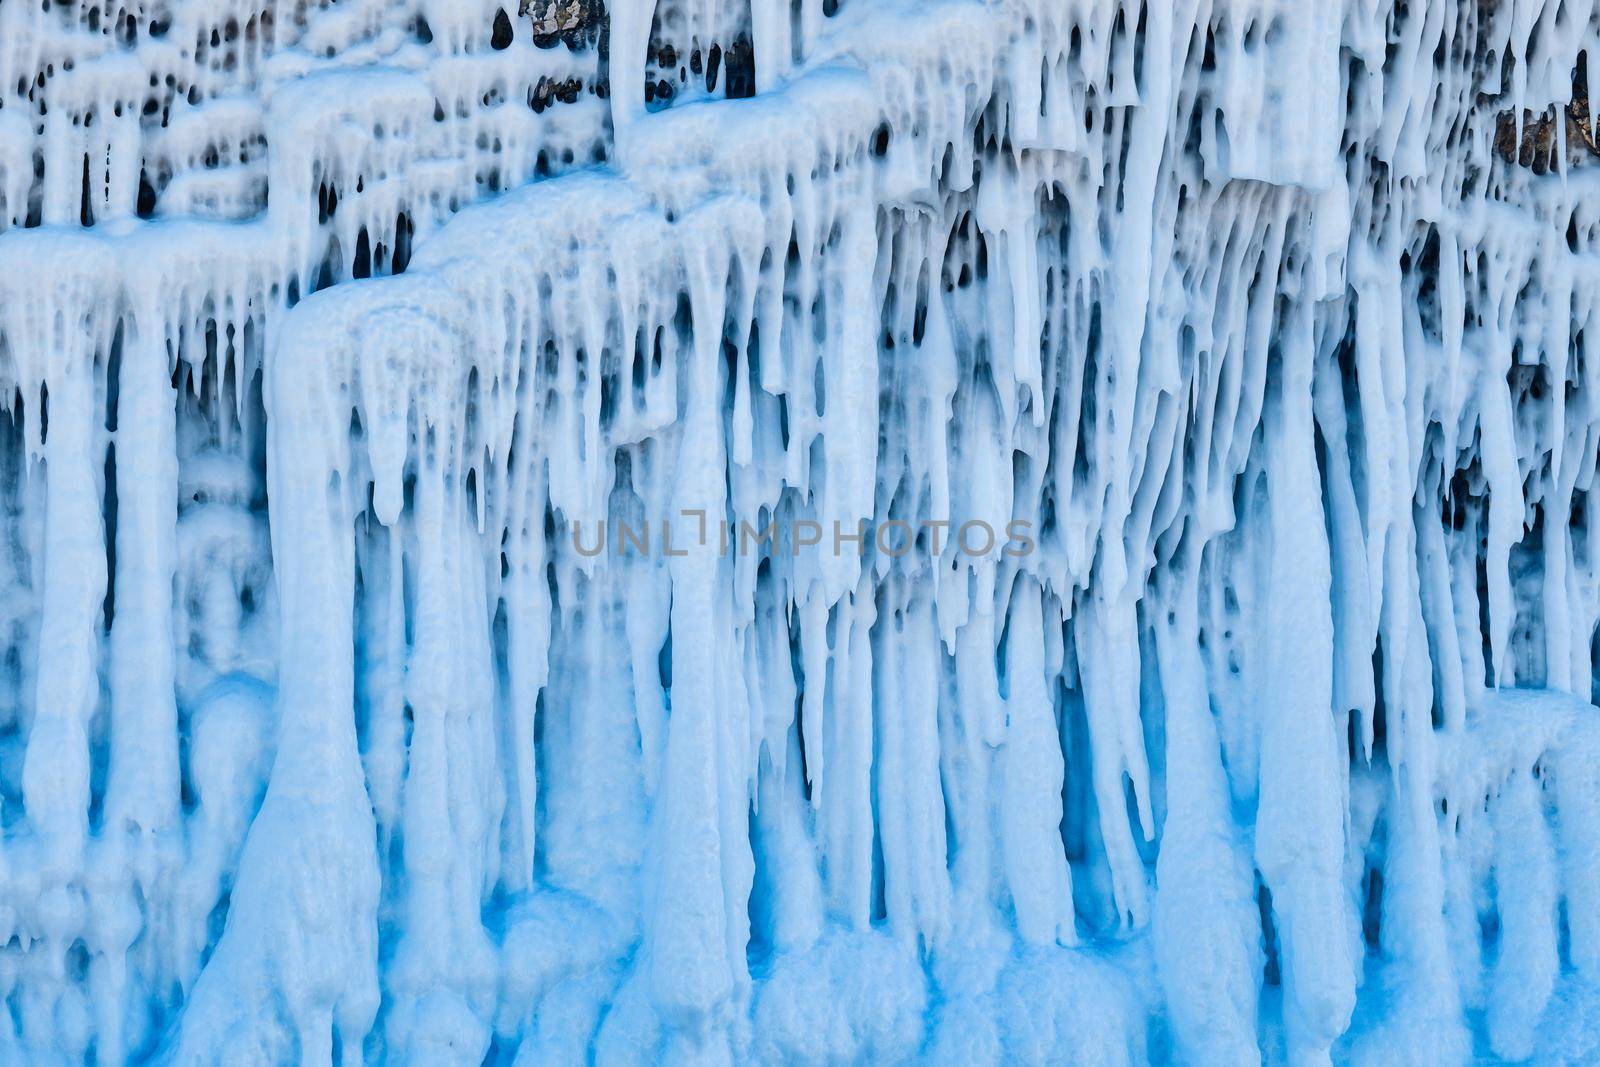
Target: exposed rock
575	23
1537	145
551	90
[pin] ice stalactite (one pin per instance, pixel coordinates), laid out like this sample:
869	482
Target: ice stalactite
706	530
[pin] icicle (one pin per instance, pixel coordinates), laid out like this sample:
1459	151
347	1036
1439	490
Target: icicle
1299	843
1031	770
1205	923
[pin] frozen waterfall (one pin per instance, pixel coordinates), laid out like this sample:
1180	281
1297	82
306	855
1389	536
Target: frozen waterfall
799	532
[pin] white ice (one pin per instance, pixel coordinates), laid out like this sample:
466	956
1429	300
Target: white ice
1265	333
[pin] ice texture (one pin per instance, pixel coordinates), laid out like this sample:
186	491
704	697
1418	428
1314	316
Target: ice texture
358	706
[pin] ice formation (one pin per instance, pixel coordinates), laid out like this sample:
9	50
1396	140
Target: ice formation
358	704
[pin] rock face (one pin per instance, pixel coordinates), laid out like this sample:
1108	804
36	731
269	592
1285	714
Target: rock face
1535	145
982	530
575	23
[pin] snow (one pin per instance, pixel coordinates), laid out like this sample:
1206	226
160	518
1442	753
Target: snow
1053	532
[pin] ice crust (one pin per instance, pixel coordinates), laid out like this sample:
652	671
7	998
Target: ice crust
324	327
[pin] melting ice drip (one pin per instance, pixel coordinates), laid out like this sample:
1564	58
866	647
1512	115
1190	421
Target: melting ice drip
322	324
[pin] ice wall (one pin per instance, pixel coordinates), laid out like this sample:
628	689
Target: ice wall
357	705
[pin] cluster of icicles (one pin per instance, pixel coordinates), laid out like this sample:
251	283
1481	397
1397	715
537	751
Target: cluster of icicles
322	738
